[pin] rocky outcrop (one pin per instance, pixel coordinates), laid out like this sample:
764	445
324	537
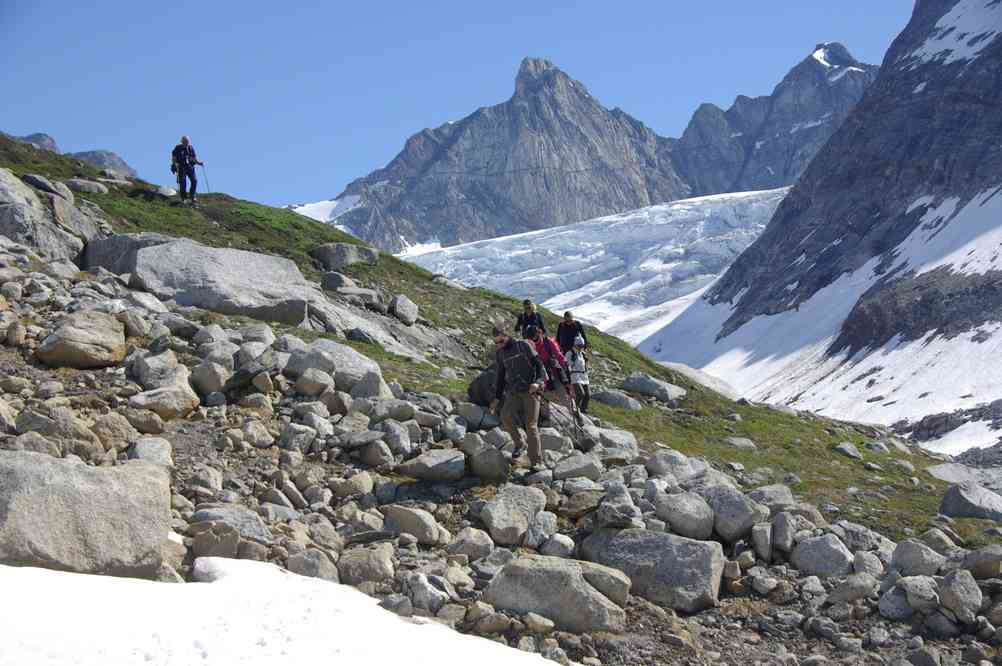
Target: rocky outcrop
106	159
41	141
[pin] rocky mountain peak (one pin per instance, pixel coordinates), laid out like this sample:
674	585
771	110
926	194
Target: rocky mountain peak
533	74
833	54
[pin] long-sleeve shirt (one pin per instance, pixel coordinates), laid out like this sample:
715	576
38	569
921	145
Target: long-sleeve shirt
517	366
527	319
549	353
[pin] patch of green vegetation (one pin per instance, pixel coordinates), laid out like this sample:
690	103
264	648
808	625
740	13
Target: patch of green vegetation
786	444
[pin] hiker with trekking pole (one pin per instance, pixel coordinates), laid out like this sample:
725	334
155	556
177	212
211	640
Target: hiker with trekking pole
183	162
559	388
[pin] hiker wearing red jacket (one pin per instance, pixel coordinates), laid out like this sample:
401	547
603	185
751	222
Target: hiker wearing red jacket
558	386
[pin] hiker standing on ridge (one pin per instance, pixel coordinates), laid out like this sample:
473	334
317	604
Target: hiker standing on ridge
529	317
568	330
183	162
520	381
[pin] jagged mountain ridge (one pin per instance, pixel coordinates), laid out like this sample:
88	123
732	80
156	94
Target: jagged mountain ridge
872	294
553	155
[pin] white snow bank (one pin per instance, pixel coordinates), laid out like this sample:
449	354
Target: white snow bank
623	273
252	614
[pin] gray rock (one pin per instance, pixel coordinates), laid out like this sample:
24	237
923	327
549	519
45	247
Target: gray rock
687	514
855	587
313	563
367	564
435	465
25	219
559	545
471	542
416	522
680	573
85	339
615	398
209	377
337	256
823	556
68	516
371	385
921	592
155	450
404	309
578	596
849	449
913	558
658	389
960	594
312	382
578	465
508	515
106	159
734	514
84	185
246	522
971	500
741	443
894	605
985	562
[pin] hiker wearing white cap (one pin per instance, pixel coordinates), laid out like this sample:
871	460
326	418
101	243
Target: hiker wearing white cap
578	363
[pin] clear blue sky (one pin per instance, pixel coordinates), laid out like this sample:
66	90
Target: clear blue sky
289	101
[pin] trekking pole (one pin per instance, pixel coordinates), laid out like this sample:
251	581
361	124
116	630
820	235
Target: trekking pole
205	173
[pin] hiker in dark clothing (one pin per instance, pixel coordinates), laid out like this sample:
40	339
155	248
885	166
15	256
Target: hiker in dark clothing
183	162
569	329
520	382
529	317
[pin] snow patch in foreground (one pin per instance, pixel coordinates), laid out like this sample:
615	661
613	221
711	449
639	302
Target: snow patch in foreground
251	614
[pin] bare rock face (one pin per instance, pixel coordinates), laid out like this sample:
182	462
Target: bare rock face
766	142
553	155
548	156
106	159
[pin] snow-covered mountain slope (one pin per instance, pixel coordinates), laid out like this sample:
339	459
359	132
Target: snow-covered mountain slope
329	211
251	613
873	294
624	273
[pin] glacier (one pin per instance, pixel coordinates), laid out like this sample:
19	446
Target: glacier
628	274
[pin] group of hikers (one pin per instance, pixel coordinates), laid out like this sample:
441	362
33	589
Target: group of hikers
533	370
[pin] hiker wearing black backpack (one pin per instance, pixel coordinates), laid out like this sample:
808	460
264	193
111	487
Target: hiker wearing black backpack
578	363
568	330
182	164
520	379
528	317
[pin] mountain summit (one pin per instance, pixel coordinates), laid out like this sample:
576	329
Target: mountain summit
552	155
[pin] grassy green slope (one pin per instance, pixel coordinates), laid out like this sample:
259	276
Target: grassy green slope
884	498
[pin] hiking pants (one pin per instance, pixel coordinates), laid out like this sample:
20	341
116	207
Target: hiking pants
583	395
185	174
528	406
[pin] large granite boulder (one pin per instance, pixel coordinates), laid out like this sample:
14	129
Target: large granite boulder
337	256
578	596
510	512
971	500
84	339
25	219
667	569
63	515
117	253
